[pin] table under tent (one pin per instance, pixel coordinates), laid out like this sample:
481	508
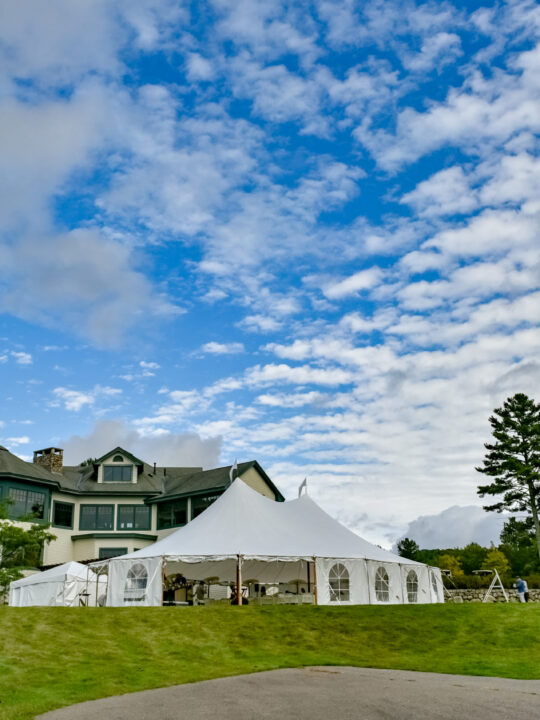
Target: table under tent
245	540
68	585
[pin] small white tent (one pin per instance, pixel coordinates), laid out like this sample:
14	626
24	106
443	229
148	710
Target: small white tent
65	585
244	534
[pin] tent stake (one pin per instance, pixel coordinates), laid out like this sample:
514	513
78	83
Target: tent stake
239	580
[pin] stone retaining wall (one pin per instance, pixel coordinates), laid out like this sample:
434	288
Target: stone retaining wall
476	595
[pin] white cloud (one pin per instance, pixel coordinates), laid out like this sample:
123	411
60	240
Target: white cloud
439	49
199	68
36	39
23	440
164	448
482	114
301	375
94	288
22	358
149	365
447	192
260	323
456	527
362	280
291	400
77	399
216	348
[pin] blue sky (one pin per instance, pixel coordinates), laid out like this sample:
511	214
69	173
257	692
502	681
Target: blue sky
302	232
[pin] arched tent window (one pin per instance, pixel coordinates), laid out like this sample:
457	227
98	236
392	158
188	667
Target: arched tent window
118	458
382	585
412	586
136	581
435	585
338	581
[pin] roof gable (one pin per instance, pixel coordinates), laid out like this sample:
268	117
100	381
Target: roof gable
119	450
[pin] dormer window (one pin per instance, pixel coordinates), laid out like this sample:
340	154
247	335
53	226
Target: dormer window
118	458
117	473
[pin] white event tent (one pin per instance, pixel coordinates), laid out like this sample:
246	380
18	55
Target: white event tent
246	535
67	585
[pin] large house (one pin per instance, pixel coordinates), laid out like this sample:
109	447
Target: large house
115	504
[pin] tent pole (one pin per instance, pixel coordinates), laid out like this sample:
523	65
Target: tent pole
108	566
308	578
97	586
315	580
162	581
239	579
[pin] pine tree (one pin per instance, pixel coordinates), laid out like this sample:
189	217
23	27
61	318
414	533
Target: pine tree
513	460
408	548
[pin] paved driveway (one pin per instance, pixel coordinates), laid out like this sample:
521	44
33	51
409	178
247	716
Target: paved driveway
323	693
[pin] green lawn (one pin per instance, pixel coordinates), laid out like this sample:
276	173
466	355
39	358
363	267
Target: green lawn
51	657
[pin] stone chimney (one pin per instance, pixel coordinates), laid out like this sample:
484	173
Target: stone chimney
50	458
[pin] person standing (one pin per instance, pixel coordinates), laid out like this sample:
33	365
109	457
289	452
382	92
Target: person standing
522	588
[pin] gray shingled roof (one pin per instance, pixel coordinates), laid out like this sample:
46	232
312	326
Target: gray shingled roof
164	483
204	480
13	466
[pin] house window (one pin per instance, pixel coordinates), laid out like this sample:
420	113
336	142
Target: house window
136	581
27	502
106	553
133	517
200	503
62	514
338	580
117	473
382	585
172	514
96	517
412	587
118	458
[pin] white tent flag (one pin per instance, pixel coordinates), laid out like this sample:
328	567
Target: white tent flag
302	486
279	542
234	467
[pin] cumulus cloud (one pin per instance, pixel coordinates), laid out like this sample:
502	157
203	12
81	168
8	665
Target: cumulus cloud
175	449
80	278
75	400
448	192
363	280
456	526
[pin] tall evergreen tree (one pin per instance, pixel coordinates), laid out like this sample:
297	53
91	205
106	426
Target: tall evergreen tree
408	548
513	460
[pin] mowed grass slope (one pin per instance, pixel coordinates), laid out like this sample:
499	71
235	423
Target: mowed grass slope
50	657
